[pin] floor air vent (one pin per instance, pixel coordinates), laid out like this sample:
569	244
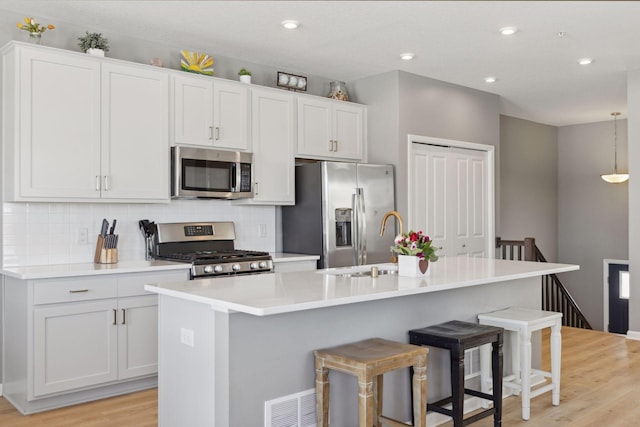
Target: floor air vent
295	410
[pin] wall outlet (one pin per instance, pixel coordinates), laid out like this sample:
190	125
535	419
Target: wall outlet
83	236
262	230
186	337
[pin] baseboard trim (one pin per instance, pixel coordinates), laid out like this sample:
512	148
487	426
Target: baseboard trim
0	389
633	335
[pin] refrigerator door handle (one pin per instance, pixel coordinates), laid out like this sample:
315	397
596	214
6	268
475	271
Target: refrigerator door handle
355	227
362	224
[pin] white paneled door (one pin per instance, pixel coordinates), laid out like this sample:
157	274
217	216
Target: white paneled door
451	196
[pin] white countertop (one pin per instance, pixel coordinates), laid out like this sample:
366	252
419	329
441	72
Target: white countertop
265	294
287	257
90	269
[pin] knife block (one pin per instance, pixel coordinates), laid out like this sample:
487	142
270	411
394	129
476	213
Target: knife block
105	255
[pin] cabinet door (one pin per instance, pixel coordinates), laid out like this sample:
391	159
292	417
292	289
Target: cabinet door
75	345
314	128
192	111
137	336
230	116
59	131
273	118
135	135
348	131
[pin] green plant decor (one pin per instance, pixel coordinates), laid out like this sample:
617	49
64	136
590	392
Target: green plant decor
244	72
93	41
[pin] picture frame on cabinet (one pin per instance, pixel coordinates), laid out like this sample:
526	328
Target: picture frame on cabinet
292	81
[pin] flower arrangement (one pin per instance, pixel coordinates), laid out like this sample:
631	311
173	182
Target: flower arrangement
415	244
32	26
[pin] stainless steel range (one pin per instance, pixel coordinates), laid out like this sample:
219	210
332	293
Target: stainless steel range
209	247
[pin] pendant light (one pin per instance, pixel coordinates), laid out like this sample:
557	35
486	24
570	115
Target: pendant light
615	177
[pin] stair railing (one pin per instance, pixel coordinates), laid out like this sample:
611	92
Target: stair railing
555	296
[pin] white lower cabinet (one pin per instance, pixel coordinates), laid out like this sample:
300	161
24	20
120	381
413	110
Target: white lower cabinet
75	345
74	335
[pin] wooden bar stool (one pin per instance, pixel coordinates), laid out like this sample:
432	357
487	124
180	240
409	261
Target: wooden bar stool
457	336
369	360
521	322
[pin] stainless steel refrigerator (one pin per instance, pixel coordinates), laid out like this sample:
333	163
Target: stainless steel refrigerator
338	213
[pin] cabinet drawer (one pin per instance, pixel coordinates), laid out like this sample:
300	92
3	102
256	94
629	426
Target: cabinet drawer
133	284
73	289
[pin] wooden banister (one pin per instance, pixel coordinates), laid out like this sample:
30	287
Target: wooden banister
555	296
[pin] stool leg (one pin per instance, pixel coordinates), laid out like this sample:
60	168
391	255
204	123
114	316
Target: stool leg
556	357
322	394
515	359
525	372
485	364
457	385
378	385
365	401
496	367
419	394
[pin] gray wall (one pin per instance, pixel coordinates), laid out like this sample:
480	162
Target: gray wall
592	214
401	103
633	111
528	188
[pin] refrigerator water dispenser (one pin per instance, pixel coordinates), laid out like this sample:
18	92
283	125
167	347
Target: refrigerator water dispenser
343	226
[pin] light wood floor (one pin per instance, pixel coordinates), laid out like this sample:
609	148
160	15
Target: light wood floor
600	387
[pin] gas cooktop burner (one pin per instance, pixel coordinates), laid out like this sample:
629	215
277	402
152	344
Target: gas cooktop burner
203	257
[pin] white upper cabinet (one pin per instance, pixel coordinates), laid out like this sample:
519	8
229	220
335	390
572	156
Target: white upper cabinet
80	128
330	129
211	113
135	152
273	134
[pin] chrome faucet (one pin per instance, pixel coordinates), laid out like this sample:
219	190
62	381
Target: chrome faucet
398	217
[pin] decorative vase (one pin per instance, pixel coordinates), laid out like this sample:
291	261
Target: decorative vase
95	52
338	90
412	266
35	37
245	79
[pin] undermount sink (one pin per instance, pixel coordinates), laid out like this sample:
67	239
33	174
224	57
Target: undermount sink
363	271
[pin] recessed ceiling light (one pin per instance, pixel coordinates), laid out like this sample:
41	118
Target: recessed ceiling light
408	56
290	25
508	31
490	79
585	61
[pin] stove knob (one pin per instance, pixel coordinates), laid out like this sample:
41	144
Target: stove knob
263	264
208	269
217	268
253	265
235	267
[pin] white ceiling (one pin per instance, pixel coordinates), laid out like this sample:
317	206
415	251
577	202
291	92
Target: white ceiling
454	41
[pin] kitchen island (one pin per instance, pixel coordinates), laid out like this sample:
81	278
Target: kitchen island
227	346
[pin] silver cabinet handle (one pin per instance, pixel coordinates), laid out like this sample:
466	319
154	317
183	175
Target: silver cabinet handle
210	132
97	182
77	291
257	192
331	145
335	141
217	133
124	316
106	183
115	316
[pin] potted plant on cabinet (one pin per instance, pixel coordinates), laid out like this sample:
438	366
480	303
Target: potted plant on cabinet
245	75
93	44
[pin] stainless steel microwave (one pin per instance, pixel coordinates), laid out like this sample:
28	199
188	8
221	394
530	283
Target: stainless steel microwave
210	173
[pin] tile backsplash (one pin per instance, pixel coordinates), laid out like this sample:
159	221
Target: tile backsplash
49	233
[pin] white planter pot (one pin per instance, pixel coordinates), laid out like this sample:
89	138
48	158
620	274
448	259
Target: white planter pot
245	79
95	52
410	266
